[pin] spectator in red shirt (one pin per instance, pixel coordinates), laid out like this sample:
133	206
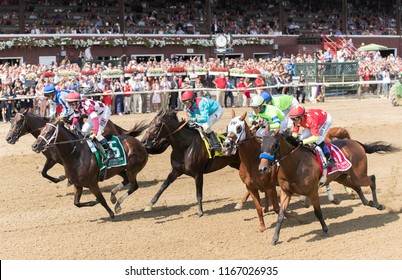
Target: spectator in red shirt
244	93
259	83
220	84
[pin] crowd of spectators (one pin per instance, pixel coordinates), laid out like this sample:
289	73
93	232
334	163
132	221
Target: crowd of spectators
190	17
163	90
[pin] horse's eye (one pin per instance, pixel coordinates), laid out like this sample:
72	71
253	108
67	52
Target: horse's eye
238	129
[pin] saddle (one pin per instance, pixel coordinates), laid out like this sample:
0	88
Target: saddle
341	162
208	142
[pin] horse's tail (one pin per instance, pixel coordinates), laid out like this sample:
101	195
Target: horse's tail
378	147
138	128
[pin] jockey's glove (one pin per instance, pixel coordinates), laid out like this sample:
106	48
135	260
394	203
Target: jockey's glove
92	136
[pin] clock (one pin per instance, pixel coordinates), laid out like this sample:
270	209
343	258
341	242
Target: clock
221	41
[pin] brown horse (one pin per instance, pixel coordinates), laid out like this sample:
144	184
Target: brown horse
333	133
81	166
189	154
25	122
300	172
240	138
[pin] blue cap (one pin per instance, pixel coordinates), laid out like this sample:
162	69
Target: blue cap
267	97
49	89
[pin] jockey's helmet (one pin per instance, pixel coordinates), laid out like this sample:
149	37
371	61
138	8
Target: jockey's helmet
267	97
73	97
49	90
187	95
257	101
296	111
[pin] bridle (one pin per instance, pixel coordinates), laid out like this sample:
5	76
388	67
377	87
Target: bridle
48	142
169	133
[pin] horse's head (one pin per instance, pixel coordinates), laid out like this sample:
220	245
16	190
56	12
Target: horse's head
155	139
269	149
47	136
236	134
17	129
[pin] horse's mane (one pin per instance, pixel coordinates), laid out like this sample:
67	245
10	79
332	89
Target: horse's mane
137	129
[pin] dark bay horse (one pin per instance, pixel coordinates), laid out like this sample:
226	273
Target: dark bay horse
189	155
81	167
25	122
240	139
300	172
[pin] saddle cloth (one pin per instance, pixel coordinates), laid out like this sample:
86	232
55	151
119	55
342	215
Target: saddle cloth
342	163
221	138
117	148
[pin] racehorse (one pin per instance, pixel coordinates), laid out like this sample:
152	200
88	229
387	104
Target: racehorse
300	172
333	133
81	166
240	139
25	122
189	155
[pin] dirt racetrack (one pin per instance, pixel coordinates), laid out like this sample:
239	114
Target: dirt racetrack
39	220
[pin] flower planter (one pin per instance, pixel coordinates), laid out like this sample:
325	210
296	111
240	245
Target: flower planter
201	73
215	73
112	76
156	74
244	75
177	73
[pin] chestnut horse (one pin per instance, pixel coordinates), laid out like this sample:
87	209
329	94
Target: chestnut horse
300	172
25	122
189	155
240	139
81	166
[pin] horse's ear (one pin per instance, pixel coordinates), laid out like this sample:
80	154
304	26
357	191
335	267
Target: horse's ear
267	129
242	118
24	111
233	113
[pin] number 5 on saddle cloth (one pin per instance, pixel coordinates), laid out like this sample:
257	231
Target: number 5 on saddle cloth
100	154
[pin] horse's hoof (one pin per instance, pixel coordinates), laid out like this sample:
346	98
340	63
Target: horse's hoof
380	207
117	209
200	214
113	198
238	206
273	242
335	201
62	178
112	216
148	208
262	228
370	203
69	184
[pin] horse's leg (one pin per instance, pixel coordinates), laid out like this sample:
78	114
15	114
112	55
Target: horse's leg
315	201
348	182
199	183
274	197
170	179
48	165
77	197
100	199
373	187
239	205
119	187
285	199
256	198
330	195
132	187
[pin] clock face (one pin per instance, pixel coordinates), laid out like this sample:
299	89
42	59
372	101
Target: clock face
221	41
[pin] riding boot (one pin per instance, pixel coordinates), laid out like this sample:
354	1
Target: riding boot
330	160
108	150
215	145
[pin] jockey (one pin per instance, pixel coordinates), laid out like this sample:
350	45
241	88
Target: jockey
98	116
209	111
316	124
58	97
270	114
284	103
